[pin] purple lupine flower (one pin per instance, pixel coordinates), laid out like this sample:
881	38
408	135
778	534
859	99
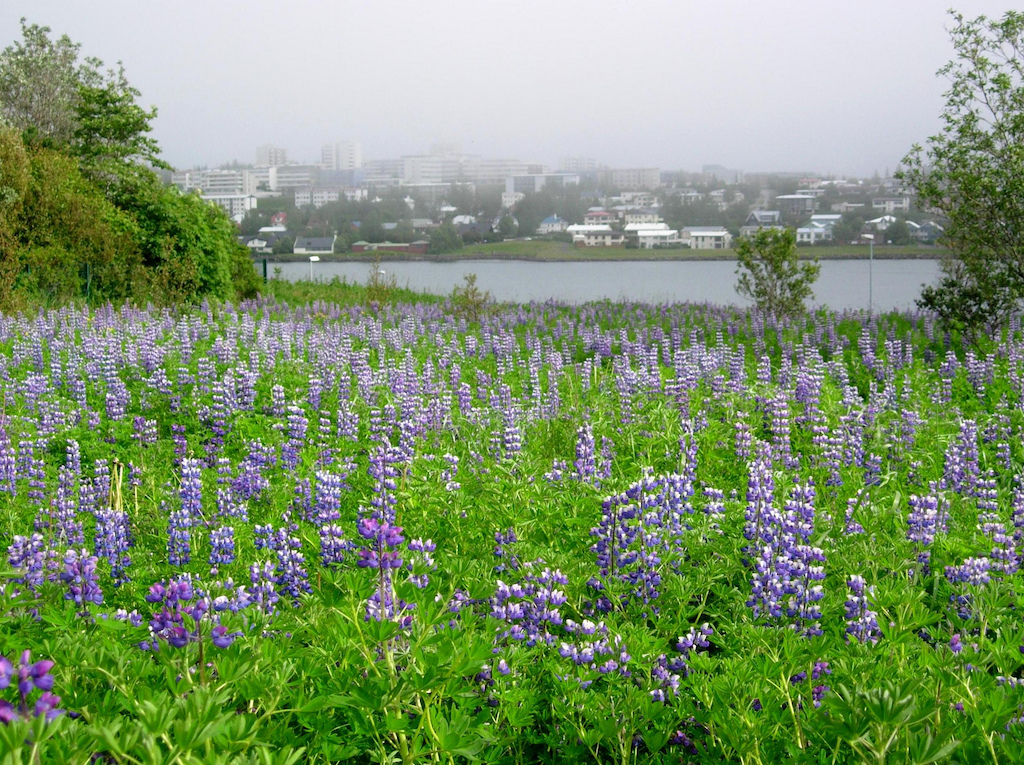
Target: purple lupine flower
113	541
67	525
187	515
531	607
30	557
297	426
422	563
922	525
450	472
80	576
972	574
264	586
586	459
28	677
861	621
507	559
292	578
222	546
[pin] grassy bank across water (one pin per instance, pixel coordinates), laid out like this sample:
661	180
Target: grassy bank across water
544	250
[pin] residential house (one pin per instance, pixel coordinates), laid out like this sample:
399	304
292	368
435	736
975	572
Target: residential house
599	238
599	218
314	245
890	205
279	219
650	238
844	207
583	228
880	224
632	228
419	247
707	237
718	197
260	244
643	216
928	232
796	204
552	224
759	219
814	233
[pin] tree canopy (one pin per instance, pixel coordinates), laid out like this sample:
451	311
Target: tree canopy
83	215
972	172
770	273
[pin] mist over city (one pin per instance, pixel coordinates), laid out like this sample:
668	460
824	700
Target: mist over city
826	88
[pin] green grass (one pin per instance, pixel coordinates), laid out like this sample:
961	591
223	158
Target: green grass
547	250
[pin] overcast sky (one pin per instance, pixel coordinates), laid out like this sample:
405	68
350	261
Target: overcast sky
819	85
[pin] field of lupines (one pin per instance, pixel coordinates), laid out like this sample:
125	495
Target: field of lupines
611	533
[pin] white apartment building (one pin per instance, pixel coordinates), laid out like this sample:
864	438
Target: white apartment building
271	156
322	196
215	182
295	177
578	164
235	205
511	198
342	155
628	178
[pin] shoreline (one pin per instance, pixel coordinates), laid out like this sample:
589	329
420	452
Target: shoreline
619	256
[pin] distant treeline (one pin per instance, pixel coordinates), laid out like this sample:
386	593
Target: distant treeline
83	215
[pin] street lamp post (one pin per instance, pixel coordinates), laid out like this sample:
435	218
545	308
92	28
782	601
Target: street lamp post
871	272
312	259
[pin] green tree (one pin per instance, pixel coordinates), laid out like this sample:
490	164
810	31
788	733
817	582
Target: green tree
771	274
111	139
898	232
972	172
848	228
444	238
508	227
284	245
40	84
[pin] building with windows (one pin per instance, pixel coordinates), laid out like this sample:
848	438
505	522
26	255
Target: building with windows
629	178
235	205
890	205
796	204
552	224
707	237
533	182
314	245
341	155
271	156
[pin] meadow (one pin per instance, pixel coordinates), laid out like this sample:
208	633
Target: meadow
440	531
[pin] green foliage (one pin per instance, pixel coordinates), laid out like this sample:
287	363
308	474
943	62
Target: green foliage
111	140
40	81
508	227
445	238
771	274
284	246
468	301
82	214
898	233
972	172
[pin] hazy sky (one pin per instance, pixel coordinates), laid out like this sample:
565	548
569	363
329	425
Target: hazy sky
840	86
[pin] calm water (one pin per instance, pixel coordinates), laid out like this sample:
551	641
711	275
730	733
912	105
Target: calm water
843	283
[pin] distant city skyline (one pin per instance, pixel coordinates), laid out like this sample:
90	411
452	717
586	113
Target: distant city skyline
841	89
